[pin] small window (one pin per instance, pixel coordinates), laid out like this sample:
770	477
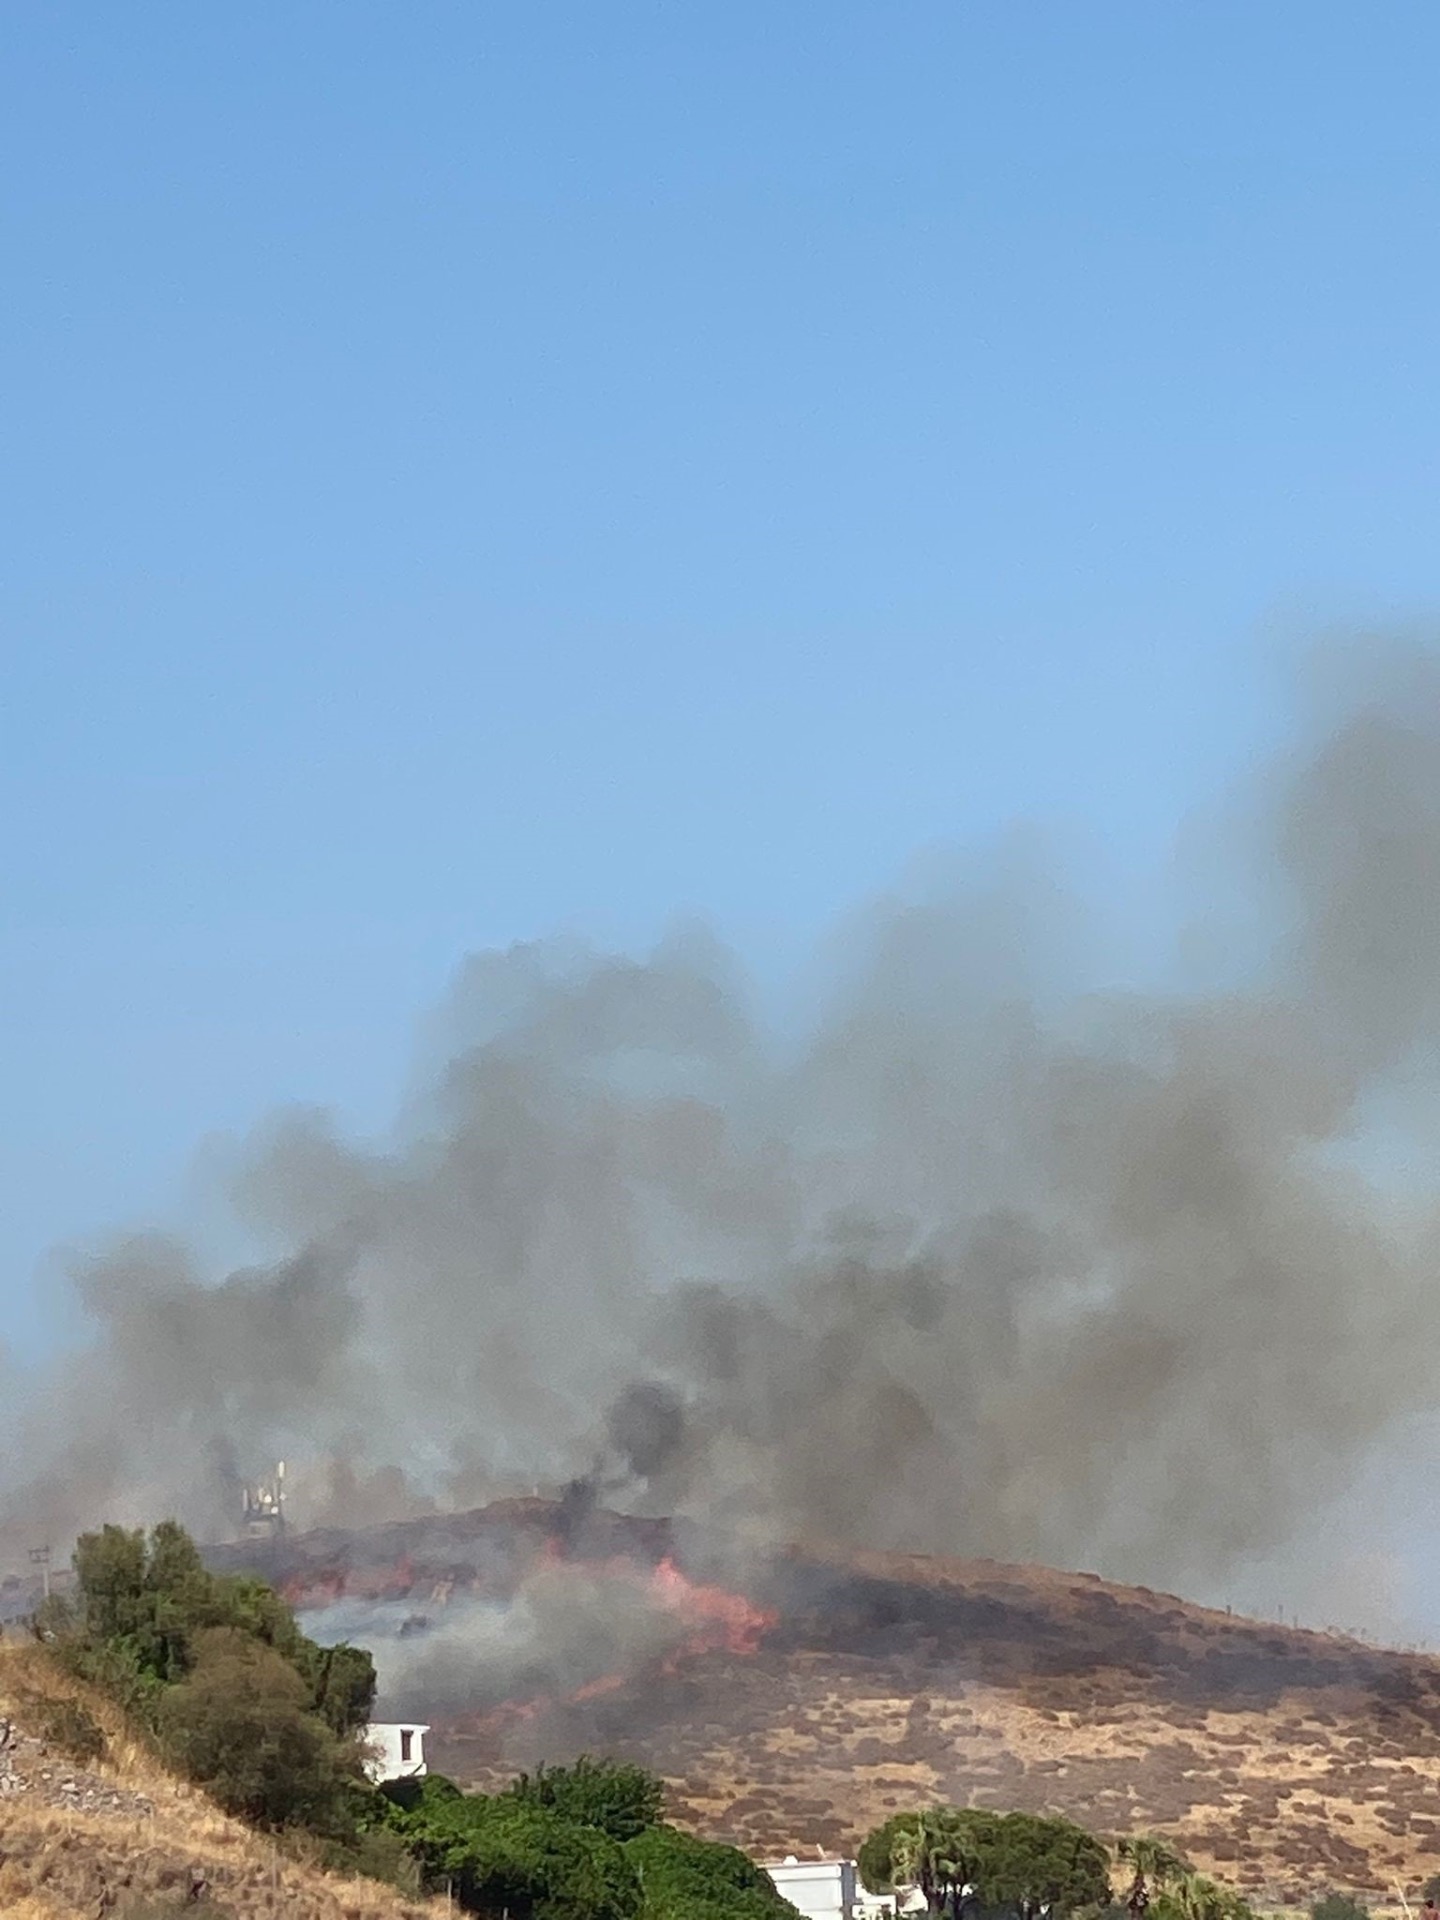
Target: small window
406	1736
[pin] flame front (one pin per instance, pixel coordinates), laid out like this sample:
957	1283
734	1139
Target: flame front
719	1621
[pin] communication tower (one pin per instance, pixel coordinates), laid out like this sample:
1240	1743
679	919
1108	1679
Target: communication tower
264	1509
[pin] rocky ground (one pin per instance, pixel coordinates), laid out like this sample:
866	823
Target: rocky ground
30	1767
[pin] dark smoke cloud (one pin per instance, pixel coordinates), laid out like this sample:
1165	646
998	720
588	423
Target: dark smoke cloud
979	1267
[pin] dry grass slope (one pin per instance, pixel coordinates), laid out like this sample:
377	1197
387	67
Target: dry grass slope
88	1842
1285	1762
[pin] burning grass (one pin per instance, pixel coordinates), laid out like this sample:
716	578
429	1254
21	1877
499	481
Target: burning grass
801	1700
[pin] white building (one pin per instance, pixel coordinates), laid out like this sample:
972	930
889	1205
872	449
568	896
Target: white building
397	1751
821	1889
833	1890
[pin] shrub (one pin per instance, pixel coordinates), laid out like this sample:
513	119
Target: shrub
67	1726
238	1725
1338	1906
380	1853
502	1854
682	1878
620	1800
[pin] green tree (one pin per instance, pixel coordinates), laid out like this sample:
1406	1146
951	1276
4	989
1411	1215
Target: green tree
1155	1860
620	1800
1006	1856
239	1725
930	1850
503	1854
142	1604
682	1878
110	1572
932	1854
342	1684
1193	1896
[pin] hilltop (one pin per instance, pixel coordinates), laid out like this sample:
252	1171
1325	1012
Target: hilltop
846	1685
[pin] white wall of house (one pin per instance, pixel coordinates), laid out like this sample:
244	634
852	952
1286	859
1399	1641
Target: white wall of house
397	1750
821	1889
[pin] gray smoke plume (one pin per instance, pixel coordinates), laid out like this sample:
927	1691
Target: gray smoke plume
1118	1280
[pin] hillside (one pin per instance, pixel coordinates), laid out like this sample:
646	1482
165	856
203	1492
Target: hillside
820	1690
80	1841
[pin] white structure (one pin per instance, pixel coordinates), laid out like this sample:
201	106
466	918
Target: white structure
885	1906
833	1890
397	1751
821	1889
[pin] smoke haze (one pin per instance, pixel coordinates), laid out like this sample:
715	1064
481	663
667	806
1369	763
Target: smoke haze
977	1266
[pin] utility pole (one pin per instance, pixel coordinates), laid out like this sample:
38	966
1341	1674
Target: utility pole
40	1557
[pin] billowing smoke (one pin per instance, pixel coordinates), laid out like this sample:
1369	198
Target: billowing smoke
1135	1281
561	1629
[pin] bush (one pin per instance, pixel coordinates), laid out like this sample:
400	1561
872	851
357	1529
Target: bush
412	1796
1339	1906
238	1725
502	1854
380	1853
620	1800
67	1726
682	1878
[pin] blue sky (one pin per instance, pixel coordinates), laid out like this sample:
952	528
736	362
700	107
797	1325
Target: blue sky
477	469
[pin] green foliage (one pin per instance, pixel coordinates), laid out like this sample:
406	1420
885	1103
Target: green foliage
342	1684
1191	1896
218	1672
546	1850
144	1605
1006	1856
378	1852
682	1878
504	1854
620	1800
1155	1860
239	1725
1340	1906
412	1796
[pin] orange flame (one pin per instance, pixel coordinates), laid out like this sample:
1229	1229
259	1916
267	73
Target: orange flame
719	1621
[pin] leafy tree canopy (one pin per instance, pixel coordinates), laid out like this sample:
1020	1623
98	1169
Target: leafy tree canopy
216	1669
1155	1860
1194	1897
143	1605
622	1801
682	1878
239	1725
505	1854
1006	1856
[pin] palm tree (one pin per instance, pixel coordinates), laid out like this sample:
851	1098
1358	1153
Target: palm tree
1154	1860
1199	1898
924	1856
